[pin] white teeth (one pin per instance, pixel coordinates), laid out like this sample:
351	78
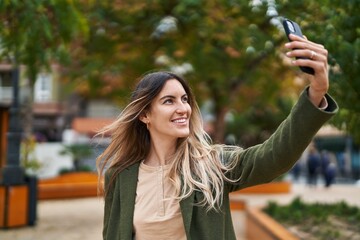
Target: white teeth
180	120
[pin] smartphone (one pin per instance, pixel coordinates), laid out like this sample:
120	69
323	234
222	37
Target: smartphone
294	28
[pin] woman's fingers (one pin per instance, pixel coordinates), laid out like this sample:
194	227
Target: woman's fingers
313	55
305	40
309	54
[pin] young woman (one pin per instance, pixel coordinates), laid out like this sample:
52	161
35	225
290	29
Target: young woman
165	180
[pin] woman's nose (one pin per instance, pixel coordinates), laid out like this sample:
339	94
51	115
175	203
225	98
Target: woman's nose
181	108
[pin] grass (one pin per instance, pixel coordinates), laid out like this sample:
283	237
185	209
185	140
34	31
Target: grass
318	221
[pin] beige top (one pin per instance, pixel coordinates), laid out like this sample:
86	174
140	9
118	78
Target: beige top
156	214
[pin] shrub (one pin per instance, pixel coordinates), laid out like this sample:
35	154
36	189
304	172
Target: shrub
321	220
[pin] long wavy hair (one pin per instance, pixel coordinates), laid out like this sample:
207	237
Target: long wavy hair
196	164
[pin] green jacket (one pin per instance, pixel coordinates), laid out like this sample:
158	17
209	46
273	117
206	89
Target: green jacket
259	164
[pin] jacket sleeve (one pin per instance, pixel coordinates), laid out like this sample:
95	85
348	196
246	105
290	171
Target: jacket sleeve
264	162
109	200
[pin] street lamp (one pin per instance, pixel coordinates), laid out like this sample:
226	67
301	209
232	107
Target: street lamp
17	202
13	173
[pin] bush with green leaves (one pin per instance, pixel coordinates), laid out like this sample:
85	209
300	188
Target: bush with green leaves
321	220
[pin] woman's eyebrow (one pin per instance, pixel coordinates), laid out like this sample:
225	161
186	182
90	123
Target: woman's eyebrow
167	96
171	96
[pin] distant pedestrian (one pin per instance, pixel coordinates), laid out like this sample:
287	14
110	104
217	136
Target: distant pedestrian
313	166
296	171
325	161
330	174
342	170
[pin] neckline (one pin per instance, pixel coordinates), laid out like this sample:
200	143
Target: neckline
154	168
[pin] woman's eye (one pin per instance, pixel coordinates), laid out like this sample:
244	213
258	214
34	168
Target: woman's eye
185	99
168	101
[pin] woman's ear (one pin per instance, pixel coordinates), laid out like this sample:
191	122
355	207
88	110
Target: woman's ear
144	118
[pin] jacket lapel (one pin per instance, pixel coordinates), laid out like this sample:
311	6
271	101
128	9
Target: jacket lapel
128	181
187	206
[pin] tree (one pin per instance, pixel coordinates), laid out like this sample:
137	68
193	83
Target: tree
341	35
37	33
335	24
227	49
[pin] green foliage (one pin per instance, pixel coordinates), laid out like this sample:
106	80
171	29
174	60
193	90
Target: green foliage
28	158
78	152
345	51
335	24
65	170
318	218
36	33
231	46
255	124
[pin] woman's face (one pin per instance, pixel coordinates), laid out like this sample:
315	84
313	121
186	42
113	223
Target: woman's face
169	112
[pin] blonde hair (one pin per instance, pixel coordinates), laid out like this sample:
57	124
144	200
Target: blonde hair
196	166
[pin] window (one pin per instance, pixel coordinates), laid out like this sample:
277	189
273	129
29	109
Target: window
43	88
5	86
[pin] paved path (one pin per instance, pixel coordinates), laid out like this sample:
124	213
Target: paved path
77	219
80	219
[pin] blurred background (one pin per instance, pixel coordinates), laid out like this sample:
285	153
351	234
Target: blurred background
67	69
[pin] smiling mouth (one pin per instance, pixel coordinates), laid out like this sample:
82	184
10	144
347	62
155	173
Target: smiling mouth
180	120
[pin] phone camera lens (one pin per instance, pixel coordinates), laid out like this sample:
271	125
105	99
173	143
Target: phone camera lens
290	26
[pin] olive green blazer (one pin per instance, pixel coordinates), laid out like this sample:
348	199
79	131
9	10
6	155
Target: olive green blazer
258	164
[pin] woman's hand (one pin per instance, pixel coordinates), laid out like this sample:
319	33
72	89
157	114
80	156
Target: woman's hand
316	57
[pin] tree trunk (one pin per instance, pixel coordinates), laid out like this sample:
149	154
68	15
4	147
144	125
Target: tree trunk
27	110
219	124
27	116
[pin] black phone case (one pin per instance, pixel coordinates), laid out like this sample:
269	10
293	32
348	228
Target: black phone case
294	28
